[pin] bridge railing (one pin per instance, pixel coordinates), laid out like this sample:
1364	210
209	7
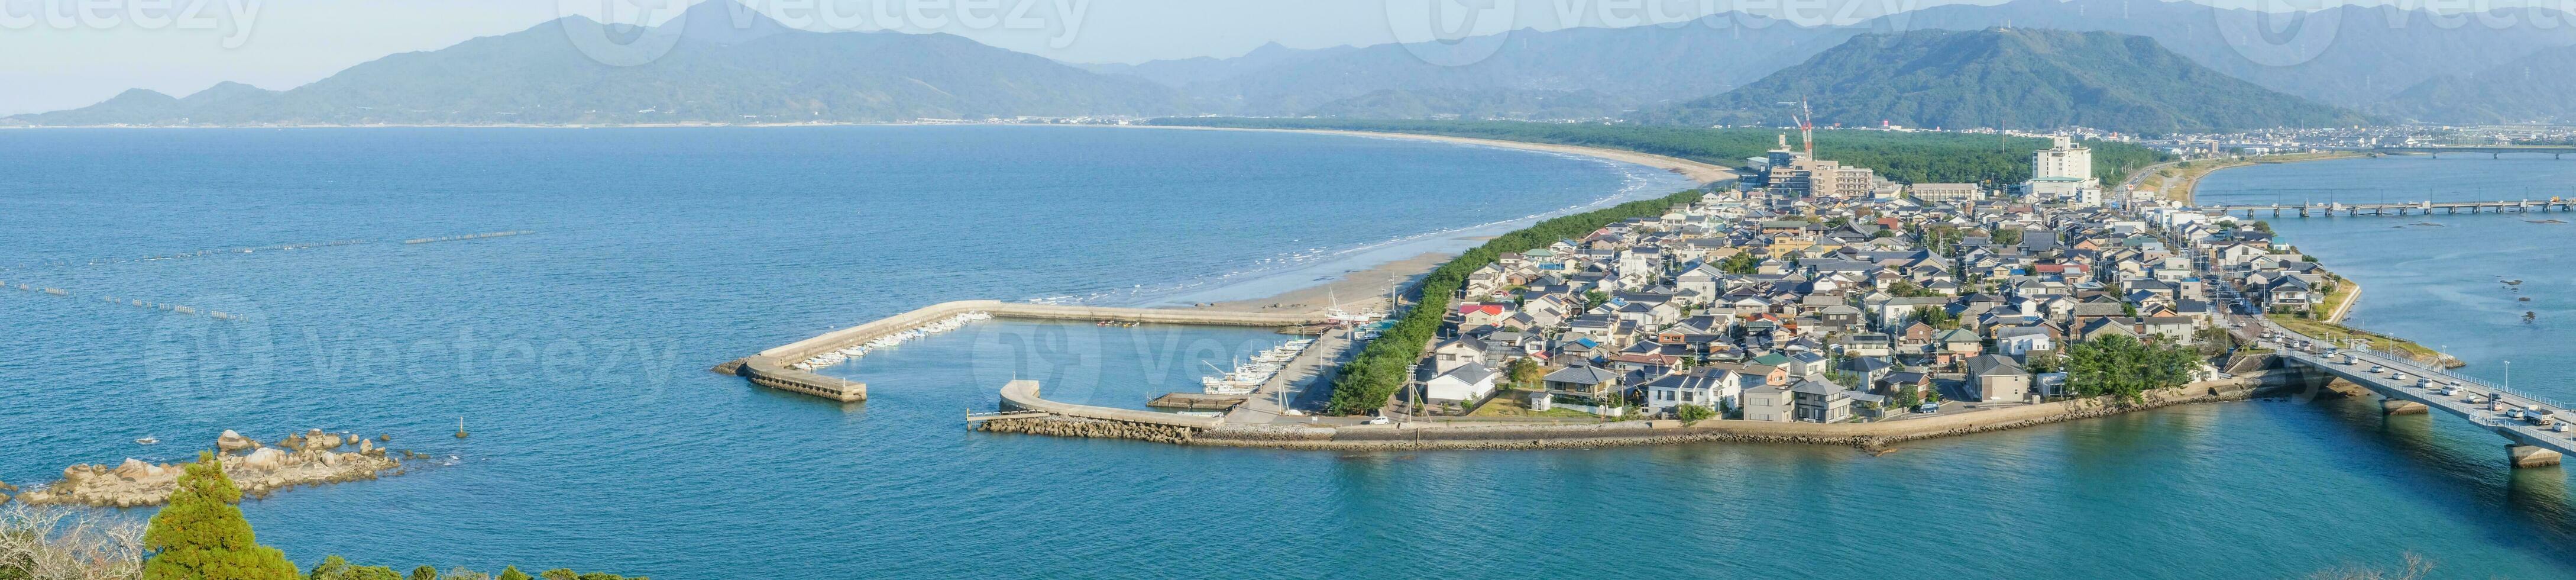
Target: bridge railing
2431	370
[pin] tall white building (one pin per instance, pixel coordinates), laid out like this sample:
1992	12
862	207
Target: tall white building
2067	159
2063	173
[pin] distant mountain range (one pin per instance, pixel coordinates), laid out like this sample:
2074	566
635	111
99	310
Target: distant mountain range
755	71
2404	64
2537	87
2357	57
2014	78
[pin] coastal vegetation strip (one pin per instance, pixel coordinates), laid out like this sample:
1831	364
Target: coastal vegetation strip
1380	368
1909	157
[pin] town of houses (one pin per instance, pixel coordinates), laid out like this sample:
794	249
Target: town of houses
1770	302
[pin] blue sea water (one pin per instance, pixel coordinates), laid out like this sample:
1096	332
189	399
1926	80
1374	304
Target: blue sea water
577	356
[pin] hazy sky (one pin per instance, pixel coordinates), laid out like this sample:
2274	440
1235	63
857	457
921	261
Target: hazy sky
55	56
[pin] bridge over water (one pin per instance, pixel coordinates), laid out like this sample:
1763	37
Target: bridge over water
2421	390
2554	151
2401	208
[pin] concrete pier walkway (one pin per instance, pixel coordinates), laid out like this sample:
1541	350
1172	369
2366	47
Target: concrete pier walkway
770	368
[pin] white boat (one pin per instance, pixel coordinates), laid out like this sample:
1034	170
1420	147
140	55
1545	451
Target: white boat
149	440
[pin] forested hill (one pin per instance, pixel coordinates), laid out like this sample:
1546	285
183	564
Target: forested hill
1909	157
2010	78
714	72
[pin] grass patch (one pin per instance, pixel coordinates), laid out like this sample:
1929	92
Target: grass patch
2329	330
1516	404
2343	292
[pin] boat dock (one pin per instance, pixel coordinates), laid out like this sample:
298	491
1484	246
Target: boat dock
774	368
1197	401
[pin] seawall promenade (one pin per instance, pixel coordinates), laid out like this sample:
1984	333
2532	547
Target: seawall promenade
1026	412
771	368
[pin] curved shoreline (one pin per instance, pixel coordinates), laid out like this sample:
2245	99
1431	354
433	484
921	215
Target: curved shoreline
2192	186
1703	173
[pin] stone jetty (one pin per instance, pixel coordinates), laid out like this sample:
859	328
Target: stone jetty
310	458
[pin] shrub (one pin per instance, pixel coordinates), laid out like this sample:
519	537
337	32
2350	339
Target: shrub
201	535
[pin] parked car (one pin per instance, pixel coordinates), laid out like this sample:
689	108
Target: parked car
1928	408
1377	421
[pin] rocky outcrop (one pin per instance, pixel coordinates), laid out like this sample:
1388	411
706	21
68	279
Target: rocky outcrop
309	459
231	441
1060	426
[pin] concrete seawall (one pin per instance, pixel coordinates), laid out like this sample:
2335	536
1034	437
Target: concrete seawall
1863	435
770	367
1071	420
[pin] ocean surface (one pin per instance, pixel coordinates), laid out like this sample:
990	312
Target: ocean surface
576	354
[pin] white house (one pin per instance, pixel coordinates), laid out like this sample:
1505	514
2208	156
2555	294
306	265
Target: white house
1716	389
1469	382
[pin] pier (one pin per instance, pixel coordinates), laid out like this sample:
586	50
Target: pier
2400	209
770	368
2487	406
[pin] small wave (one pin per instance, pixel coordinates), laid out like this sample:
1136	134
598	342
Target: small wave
1635	182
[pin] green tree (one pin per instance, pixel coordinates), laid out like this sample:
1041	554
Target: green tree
1905	397
513	573
1524	372
424	573
201	535
559	574
1688	412
2044	362
1936	317
1740	263
2123	367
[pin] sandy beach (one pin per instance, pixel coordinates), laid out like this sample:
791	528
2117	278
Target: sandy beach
1696	171
1357	291
1367	289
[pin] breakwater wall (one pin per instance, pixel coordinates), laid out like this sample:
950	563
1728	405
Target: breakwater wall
1534	435
1071	420
770	367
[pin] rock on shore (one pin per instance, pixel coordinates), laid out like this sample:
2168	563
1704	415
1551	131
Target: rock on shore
306	459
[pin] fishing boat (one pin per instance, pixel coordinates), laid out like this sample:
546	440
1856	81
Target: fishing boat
149	440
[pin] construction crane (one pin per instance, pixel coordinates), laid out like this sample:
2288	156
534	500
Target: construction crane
1806	119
